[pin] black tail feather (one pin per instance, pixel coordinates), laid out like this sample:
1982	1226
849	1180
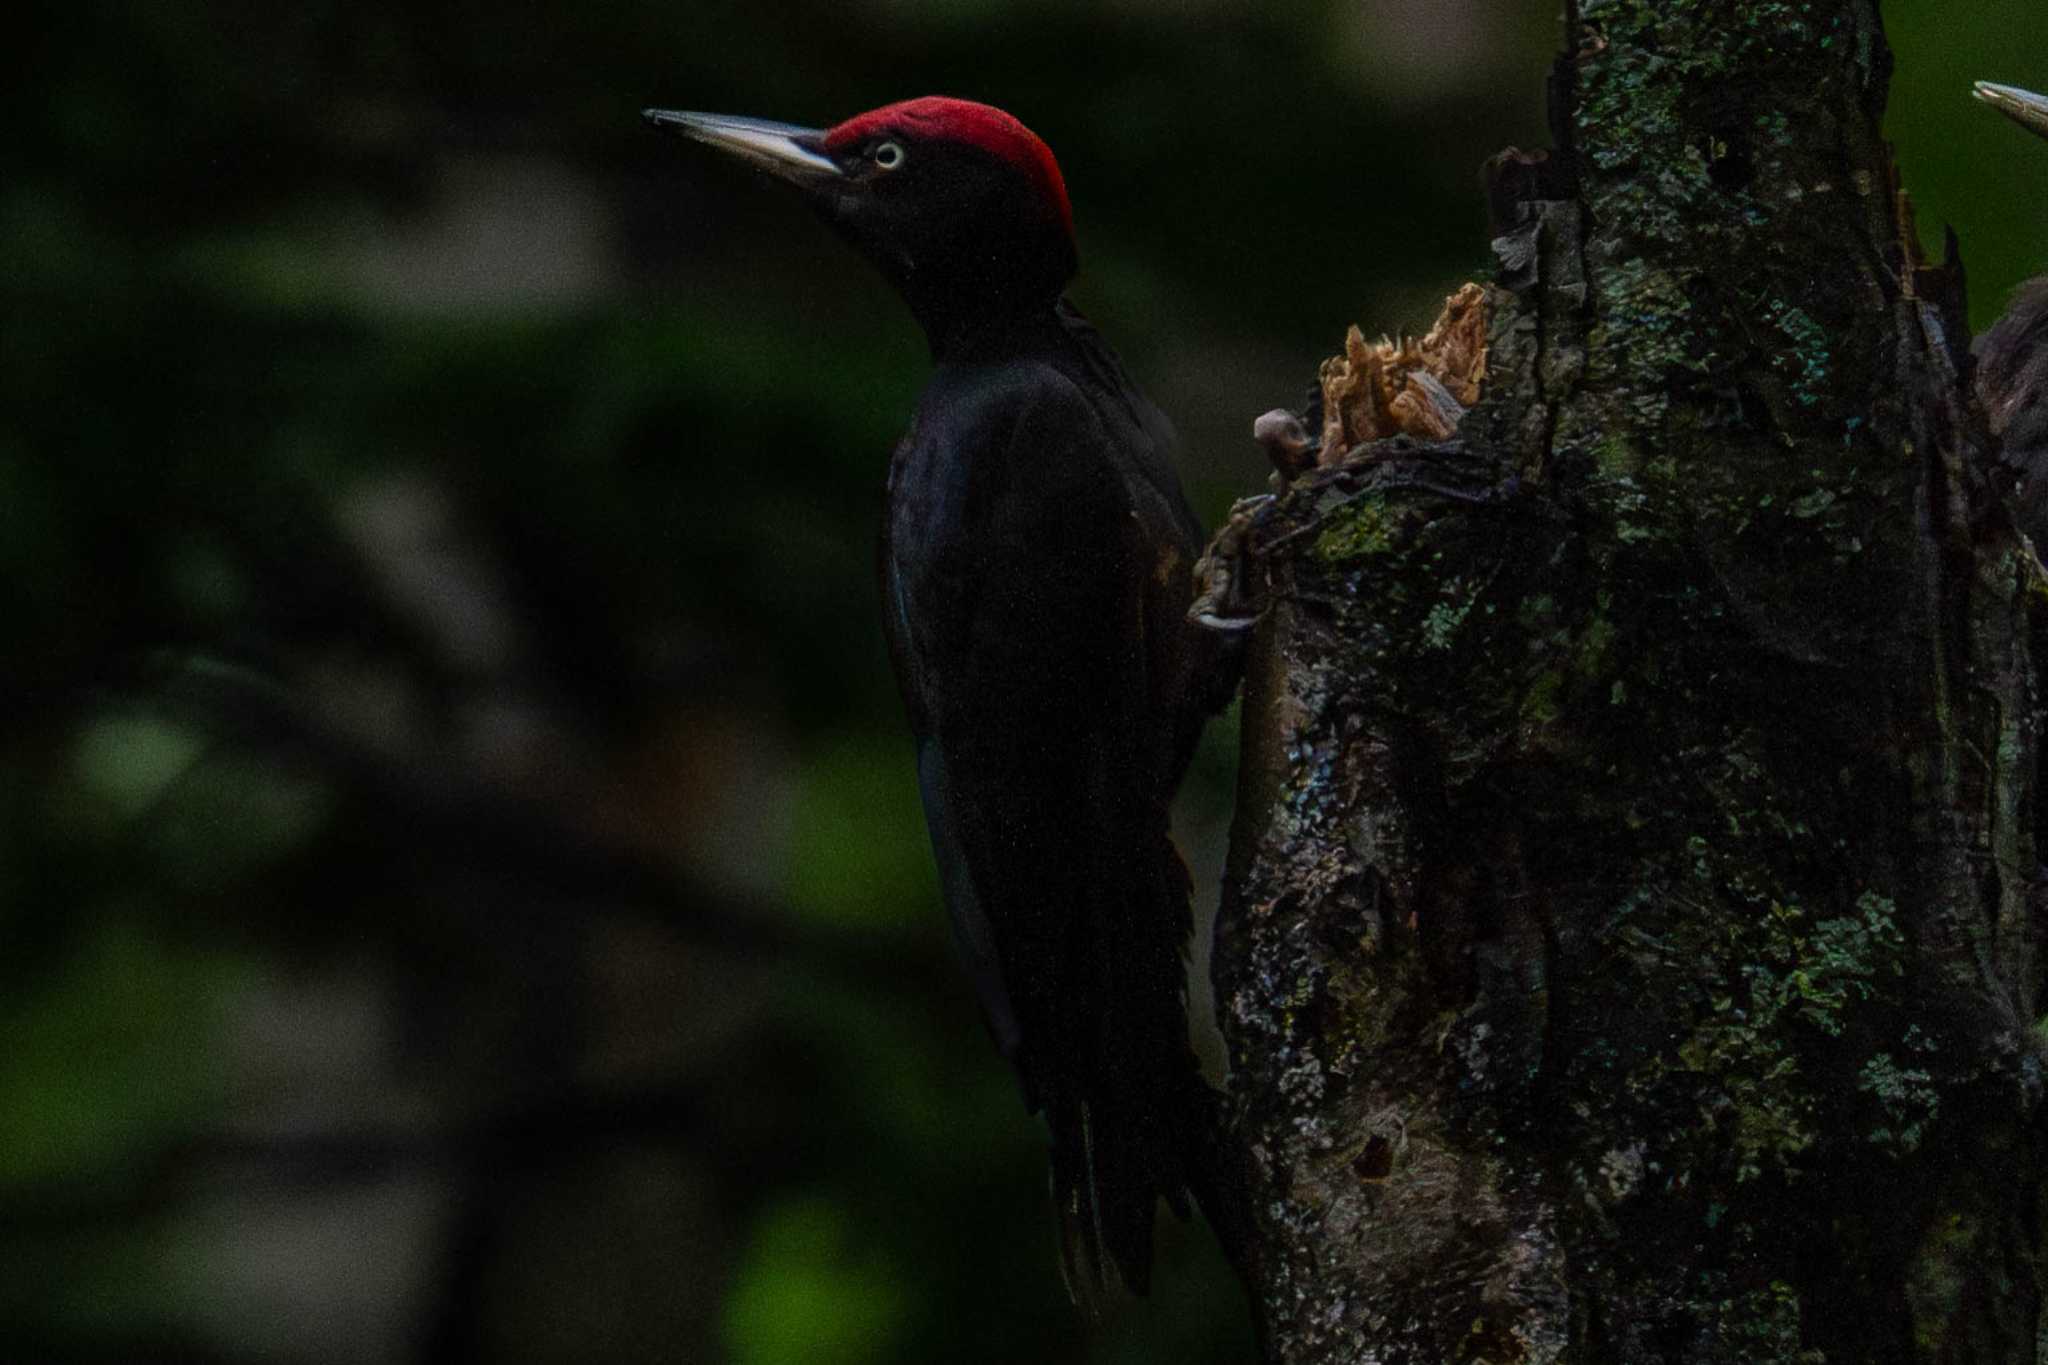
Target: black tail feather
1106	1183
1120	1127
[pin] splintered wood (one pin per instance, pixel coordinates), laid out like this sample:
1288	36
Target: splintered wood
1415	387
1410	387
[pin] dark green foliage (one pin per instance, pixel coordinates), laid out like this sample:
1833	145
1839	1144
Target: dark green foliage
459	846
464	887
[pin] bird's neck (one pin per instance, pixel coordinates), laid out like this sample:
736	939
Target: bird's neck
980	290
992	329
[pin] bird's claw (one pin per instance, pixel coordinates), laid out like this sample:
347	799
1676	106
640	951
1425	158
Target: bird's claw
1226	602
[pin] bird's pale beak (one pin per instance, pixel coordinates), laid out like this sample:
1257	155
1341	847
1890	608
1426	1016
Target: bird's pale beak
2023	107
781	149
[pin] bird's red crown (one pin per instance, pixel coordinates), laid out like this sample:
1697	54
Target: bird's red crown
978	125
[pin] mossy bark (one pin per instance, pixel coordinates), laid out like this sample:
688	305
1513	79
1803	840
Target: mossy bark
1629	951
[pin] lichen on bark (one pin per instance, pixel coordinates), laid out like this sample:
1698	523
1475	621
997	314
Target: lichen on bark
1628	951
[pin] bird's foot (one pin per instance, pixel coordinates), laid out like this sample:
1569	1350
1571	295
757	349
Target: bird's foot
1227	601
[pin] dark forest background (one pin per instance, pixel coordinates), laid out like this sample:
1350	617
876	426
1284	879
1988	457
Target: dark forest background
462	889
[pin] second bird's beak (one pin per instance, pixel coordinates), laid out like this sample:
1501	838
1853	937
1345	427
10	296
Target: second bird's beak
781	149
2023	107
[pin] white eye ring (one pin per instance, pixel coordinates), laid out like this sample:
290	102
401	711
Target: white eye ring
889	155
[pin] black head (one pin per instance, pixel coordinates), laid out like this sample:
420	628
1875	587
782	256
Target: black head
961	207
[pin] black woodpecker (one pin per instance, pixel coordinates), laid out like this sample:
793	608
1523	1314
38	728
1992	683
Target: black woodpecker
2012	358
1036	563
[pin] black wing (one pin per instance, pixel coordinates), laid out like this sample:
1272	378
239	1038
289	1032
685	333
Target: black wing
1025	589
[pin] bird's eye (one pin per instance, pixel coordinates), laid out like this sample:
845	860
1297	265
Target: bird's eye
889	155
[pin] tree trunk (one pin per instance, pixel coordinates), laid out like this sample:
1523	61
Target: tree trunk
1630	950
